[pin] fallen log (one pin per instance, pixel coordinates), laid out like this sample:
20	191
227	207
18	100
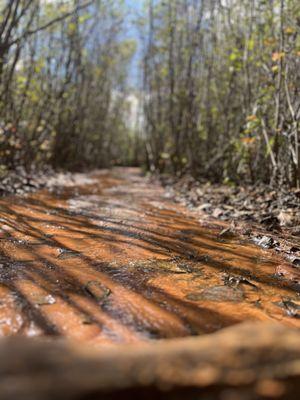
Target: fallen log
247	361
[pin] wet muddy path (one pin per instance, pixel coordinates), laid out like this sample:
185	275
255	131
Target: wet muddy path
111	259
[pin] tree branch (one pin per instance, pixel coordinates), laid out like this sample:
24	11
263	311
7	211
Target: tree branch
51	23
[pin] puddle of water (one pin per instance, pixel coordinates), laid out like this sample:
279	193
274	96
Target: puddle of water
113	260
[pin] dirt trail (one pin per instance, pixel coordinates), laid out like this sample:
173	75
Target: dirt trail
111	259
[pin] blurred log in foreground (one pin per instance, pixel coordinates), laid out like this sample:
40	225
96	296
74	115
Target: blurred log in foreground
248	361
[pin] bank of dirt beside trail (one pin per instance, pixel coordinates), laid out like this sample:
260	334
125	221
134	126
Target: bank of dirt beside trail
20	181
270	217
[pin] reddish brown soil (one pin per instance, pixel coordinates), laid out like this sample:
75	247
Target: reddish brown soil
112	260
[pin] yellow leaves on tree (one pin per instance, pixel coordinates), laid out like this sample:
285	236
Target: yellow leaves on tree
278	56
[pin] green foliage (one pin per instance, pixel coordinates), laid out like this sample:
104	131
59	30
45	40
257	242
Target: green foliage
222	83
64	93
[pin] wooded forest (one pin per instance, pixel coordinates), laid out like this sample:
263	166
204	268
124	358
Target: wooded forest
221	84
218	94
63	67
149	199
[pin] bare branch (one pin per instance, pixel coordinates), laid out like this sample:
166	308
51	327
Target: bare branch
50	23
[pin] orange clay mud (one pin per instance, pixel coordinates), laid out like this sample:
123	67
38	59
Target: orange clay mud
112	260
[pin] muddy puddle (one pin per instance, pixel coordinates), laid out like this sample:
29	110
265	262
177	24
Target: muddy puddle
112	260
